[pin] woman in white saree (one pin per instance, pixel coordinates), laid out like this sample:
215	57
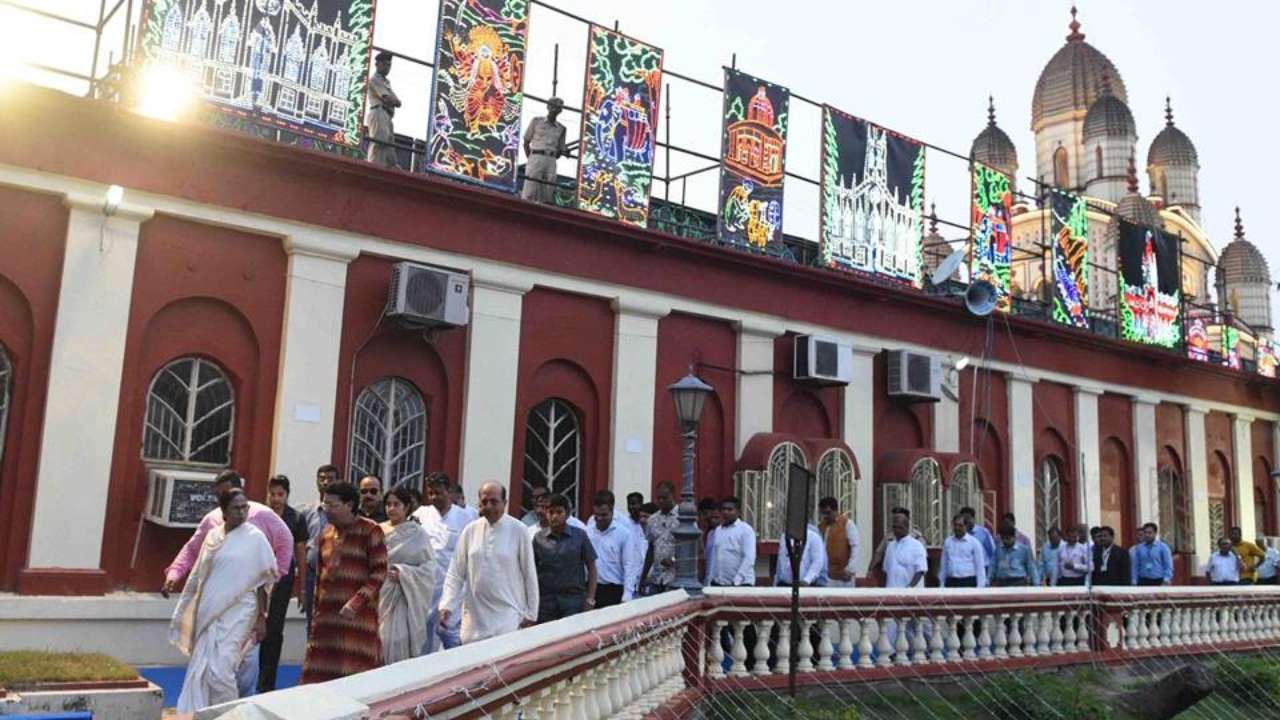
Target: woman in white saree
223	608
405	600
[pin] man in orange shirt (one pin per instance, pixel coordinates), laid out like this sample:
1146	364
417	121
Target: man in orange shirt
1251	555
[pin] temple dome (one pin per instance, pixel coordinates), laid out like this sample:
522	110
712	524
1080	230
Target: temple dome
1172	147
1134	207
1108	116
1241	261
1072	80
992	146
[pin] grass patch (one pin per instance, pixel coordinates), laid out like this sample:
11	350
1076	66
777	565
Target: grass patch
26	667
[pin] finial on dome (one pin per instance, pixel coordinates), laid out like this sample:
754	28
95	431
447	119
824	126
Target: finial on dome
1168	112
933	218
1239	225
991	110
1132	176
1076	35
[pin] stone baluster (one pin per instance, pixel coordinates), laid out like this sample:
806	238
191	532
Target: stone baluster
563	708
544	703
761	652
936	644
738	650
1000	636
884	653
1195	625
587	695
954	647
804	649
844	650
1055	631
1131	629
866	641
826	628
919	648
1168	636
1044	641
1082	631
617	693
1030	634
1140	617
1211	625
1069	620
985	636
902	644
1015	635
783	650
715	668
1227	625
967	641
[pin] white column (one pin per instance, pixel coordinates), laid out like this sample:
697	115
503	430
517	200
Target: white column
755	379
1197	480
489	399
315	293
1145	455
946	414
1242	445
1022	456
635	367
859	434
1087	460
85	369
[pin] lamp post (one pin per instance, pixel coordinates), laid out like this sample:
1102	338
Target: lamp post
689	394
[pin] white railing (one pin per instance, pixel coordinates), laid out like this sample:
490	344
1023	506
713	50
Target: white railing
659	656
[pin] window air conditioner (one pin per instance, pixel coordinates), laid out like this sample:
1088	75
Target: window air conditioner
179	498
914	375
428	297
822	360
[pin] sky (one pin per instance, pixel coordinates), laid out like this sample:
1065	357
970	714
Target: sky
921	67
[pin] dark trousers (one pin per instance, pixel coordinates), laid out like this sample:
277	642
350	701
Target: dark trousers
608	595
1226	582
1009	582
969	582
561	605
269	651
1269	581
1071	582
1150	582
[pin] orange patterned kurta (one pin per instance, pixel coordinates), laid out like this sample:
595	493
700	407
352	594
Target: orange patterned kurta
353	564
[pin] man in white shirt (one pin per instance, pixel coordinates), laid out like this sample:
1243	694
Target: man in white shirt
963	561
1074	563
813	562
733	553
1224	567
617	563
1267	569
542	522
536	494
492	576
840	538
905	560
443	522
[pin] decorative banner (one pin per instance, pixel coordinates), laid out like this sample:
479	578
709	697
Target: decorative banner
619	126
1149	293
991	227
474	133
872	198
1268	358
300	65
753	149
1069	235
1197	340
1231	347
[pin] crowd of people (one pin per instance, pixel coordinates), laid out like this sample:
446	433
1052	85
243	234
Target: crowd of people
385	575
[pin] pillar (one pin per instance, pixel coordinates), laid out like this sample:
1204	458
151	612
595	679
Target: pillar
81	405
1197	480
1242	464
1145	454
755	379
1088	457
859	433
489	398
1022	457
635	367
315	293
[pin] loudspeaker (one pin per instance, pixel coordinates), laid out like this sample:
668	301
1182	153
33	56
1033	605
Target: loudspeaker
980	299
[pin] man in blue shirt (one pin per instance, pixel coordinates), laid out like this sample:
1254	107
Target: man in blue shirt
1151	562
1049	556
980	532
1012	565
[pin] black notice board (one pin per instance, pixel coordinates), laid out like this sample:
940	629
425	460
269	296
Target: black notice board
192	499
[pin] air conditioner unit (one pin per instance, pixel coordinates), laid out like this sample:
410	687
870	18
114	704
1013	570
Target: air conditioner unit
822	360
179	498
424	296
914	375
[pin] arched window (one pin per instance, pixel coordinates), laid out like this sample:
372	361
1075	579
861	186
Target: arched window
553	451
1061	168
6	380
293	54
964	490
190	414
1175	525
201	28
171	39
926	501
319	70
342	76
1261	517
228	39
1048	499
1097	152
389	433
836	479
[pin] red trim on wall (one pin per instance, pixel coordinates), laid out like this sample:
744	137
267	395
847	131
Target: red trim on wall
62	581
214	293
31	256
380	348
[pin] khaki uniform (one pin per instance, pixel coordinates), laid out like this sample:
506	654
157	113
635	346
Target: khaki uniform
378	118
546	143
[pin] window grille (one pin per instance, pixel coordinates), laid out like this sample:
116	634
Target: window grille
201	29
190	414
319	70
172	38
389	433
926	501
1048	499
6	380
764	492
553	452
293	54
228	39
1217	520
836	479
1175	524
894	495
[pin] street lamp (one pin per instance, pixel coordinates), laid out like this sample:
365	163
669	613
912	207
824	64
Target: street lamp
689	394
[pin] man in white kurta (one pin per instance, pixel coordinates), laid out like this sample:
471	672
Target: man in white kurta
905	560
443	521
492	576
813	561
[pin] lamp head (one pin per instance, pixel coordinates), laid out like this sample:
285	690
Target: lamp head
689	394
115	195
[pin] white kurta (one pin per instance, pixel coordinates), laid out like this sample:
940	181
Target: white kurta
902	560
492	578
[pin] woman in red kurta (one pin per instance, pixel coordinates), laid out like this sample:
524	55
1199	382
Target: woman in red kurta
352	566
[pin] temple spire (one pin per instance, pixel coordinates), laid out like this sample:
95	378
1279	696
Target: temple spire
933	218
1239	225
1168	112
991	111
1076	35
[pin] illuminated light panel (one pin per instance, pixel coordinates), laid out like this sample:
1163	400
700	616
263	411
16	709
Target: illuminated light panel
476	97
753	150
297	65
1197	340
991	231
1268	358
164	93
1069	259
1231	347
619	128
1149	294
872	216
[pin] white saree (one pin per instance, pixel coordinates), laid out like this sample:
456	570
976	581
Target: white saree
214	618
403	606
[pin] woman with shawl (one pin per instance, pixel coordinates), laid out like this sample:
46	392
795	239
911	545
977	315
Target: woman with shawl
223	608
405	600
